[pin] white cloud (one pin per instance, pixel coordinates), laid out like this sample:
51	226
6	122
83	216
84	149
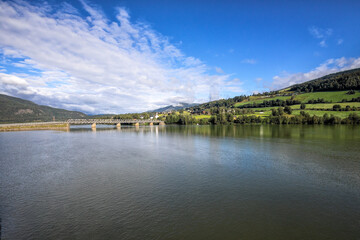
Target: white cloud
219	70
330	66
340	41
235	86
323	43
92	64
249	61
321	33
12	80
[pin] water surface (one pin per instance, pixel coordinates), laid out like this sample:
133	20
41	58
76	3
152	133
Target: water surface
173	182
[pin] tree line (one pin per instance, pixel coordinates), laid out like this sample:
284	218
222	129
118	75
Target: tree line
278	116
271	103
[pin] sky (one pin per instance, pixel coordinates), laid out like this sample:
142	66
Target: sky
128	56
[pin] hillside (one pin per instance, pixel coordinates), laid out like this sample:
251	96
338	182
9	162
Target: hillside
346	80
14	109
335	83
335	96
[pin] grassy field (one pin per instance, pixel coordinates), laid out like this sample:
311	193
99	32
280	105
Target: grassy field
329	105
183	113
335	97
327	96
309	106
342	114
258	114
202	116
264	109
260	100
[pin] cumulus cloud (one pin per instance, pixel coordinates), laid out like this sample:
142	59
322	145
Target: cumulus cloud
92	64
286	79
321	34
249	61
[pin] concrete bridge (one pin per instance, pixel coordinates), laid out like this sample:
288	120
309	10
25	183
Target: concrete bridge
116	122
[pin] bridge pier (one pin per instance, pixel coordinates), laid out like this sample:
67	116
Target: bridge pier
117	122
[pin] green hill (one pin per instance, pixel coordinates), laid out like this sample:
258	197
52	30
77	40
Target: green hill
329	97
14	109
331	88
346	80
336	95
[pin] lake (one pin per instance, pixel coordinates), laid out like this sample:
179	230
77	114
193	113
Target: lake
181	182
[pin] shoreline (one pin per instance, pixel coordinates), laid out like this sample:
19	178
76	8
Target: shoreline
33	126
10	127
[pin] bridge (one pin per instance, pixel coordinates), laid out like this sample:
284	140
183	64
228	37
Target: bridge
116	122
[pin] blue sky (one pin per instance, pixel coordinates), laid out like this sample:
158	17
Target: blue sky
130	56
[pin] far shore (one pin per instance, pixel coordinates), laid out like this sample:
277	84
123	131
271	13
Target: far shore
33	126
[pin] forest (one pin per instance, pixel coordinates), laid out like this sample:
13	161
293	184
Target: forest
347	80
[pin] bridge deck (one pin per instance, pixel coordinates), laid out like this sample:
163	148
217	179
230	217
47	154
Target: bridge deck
109	121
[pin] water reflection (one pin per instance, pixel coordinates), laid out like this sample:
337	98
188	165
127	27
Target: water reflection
181	182
339	133
262	131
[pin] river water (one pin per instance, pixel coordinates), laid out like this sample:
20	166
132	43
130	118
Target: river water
173	182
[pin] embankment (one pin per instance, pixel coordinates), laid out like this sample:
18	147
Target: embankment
34	126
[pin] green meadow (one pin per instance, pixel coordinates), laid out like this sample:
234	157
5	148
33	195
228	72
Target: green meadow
334	97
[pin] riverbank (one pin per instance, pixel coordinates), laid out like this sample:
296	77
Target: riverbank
33	126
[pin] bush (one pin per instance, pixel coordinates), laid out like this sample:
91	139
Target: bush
336	107
288	110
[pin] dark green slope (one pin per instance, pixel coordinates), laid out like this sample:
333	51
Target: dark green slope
346	80
14	109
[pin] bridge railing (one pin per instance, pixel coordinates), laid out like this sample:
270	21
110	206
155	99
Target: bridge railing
110	121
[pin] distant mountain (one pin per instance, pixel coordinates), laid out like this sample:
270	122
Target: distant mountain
14	109
174	108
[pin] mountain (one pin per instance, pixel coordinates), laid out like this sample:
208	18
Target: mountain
174	108
14	109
